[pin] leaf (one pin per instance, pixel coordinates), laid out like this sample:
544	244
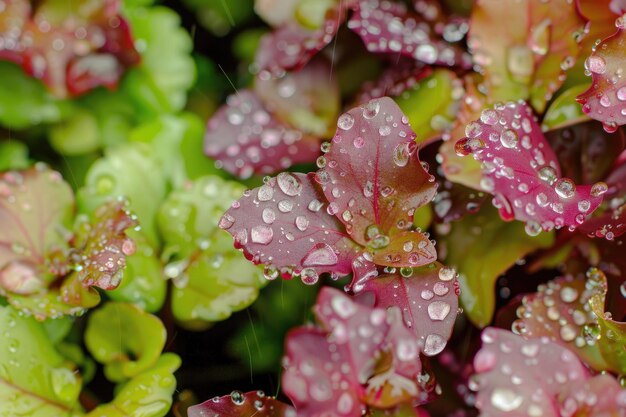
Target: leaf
525	57
361	357
245	138
24	101
36	208
238	404
564	111
428	298
558	311
537	376
220	18
122	172
372	154
612	334
306	100
481	248
149	394
50	388
389	27
125	339
167	70
73	65
285	225
522	171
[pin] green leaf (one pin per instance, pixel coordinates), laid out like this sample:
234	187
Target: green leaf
211	278
24	101
35	380
142	283
565	110
147	395
430	104
221	16
13	155
127	340
167	69
482	247
612	334
76	135
130	171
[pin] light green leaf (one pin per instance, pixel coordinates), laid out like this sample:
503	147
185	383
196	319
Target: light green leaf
13	155
482	247
565	110
211	278
221	16
147	395
35	380
127	340
24	101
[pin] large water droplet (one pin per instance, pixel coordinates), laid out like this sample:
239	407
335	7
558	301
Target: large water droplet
321	254
289	184
505	400
434	344
565	188
345	121
438	310
262	234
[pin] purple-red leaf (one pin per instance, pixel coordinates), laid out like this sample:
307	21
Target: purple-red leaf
389	27
72	50
362	357
246	138
521	170
428	297
605	100
238	404
285	224
365	178
517	377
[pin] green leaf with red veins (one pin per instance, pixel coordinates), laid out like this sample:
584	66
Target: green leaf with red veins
482	247
611	334
238	404
537	377
525	57
428	297
125	339
308	100
558	310
364	180
36	208
522	171
72	49
605	100
102	246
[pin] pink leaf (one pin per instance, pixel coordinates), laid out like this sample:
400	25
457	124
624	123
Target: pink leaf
428	297
245	138
365	178
285	225
605	100
238	404
521	170
517	377
72	51
389	27
363	357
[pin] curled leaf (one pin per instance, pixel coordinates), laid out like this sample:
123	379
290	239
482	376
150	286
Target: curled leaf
522	171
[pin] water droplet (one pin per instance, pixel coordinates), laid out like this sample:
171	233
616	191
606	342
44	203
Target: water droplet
262	234
268	215
358	142
447	273
568	333
489	117
302	223
384	130
584	206
595	64
237	397
309	276
226	222
598	189
289	184
345	403
474	129
565	188
547	174
265	193
320	255
401	154
568	294
438	310
343	307
434	344
345	121
285	206
505	400
621	94
371	109
508	138
315	205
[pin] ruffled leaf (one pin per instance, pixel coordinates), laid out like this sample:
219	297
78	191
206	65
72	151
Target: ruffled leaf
127	340
428	298
372	154
210	279
390	27
522	171
537	376
481	248
51	388
238	404
286	225
148	394
245	138
605	100
525	57
73	50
